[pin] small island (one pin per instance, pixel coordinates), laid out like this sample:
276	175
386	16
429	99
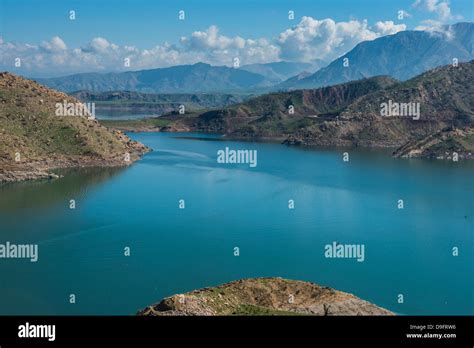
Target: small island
264	296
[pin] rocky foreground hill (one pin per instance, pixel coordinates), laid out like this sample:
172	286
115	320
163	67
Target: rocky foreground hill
34	140
264	296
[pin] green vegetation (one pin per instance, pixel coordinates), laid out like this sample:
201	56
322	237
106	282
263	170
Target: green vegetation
257	310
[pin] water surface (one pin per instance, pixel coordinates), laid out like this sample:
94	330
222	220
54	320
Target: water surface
407	251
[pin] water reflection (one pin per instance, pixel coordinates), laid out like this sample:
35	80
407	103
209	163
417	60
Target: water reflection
44	194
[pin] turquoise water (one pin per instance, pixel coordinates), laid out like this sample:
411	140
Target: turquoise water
407	251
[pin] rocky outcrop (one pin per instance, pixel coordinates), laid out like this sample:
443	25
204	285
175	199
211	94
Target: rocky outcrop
264	296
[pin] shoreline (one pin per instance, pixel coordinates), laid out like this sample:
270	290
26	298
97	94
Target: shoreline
435	146
44	169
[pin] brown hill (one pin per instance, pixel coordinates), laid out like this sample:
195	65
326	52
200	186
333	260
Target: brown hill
34	140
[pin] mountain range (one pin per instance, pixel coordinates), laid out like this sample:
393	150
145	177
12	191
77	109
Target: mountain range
401	56
199	77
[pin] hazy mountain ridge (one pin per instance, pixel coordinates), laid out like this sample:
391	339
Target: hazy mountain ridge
280	71
197	78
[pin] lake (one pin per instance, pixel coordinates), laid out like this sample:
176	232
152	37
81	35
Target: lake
408	251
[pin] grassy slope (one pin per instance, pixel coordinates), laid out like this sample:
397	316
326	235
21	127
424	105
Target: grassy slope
29	126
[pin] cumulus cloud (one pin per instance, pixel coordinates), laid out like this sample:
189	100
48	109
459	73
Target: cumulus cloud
443	12
388	28
221	49
99	45
326	39
53	57
56	44
440	7
309	40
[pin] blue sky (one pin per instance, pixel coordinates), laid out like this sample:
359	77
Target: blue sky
152	27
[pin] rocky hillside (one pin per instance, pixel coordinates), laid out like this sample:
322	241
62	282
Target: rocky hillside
444	93
349	114
34	140
445	96
264	296
445	144
269	115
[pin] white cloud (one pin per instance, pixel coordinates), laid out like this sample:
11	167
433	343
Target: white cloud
326	39
99	45
310	39
56	44
436	28
440	7
388	28
222	50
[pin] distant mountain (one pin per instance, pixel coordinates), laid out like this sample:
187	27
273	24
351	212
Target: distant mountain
199	77
401	56
280	71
